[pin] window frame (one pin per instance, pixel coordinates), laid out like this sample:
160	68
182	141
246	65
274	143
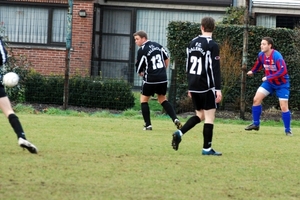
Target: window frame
50	8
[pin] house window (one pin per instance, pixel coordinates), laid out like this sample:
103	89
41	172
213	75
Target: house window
34	25
187	2
287	22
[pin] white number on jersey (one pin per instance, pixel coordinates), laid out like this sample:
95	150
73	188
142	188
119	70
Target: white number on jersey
196	63
157	62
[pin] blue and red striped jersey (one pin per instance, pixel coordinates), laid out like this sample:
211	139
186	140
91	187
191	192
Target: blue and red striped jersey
274	66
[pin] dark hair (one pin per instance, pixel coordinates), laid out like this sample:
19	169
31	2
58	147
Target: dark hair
269	40
142	34
208	24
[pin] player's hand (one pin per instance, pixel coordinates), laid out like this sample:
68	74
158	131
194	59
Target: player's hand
141	74
250	73
189	94
264	78
219	96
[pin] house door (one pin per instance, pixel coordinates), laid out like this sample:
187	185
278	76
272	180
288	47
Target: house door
112	43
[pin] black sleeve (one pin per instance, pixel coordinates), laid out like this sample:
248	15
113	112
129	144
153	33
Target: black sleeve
165	53
215	55
3	53
140	62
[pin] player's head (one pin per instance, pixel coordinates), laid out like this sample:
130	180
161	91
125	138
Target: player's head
208	24
140	37
266	44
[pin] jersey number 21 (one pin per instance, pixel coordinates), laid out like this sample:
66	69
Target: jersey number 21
196	63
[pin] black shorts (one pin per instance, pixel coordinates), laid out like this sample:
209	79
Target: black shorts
2	91
204	101
151	89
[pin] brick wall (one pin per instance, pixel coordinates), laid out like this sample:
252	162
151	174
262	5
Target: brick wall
52	60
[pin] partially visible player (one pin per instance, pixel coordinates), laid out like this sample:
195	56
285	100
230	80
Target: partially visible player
276	79
6	108
204	85
151	64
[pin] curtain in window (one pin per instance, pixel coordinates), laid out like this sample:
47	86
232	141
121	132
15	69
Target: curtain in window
155	22
116	21
115	47
115	43
24	24
59	26
267	21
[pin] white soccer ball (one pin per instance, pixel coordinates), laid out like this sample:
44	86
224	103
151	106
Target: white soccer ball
10	79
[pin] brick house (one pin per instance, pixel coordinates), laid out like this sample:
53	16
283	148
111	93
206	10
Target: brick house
102	42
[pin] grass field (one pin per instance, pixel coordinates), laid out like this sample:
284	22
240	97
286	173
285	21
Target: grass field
110	157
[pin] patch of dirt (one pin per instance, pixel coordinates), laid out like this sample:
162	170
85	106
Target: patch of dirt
269	114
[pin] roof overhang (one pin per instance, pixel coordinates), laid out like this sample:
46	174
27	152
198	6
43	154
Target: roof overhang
276	7
225	3
292	4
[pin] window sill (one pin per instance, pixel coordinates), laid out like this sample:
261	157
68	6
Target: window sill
36	47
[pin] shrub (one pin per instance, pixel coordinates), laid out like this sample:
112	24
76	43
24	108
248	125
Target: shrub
286	41
20	66
83	91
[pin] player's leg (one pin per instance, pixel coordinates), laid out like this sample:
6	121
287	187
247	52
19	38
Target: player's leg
144	98
198	100
286	117
283	94
177	135
6	108
263	91
208	133
191	122
161	90
209	115
169	110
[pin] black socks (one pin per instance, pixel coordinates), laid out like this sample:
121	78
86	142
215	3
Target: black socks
169	109
146	113
207	135
191	122
16	125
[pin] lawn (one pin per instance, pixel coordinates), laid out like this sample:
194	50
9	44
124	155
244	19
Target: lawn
110	157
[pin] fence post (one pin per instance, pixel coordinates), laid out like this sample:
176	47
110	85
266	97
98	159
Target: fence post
172	90
244	62
68	54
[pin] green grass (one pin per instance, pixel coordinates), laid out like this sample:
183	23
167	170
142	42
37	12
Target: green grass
153	103
106	156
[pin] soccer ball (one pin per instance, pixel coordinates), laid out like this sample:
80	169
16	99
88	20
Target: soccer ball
10	79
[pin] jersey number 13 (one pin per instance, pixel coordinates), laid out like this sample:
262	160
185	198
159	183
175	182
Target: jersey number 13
157	62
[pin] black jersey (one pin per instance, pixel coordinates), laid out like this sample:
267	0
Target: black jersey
151	58
203	65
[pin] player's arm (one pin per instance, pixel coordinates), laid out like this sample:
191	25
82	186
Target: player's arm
281	69
217	71
167	61
165	57
3	53
140	62
187	60
215	56
257	65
